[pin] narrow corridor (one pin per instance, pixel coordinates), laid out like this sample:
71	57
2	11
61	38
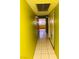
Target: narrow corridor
39	23
44	50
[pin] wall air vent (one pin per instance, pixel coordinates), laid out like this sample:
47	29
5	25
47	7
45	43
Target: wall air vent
43	7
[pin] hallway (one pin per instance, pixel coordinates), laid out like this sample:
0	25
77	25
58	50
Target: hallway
44	50
39	22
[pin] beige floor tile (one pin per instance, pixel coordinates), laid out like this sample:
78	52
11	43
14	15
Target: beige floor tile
44	50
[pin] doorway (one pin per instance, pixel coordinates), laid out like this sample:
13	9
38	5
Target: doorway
43	27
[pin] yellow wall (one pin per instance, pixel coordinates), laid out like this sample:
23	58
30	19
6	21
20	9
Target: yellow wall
27	31
51	27
56	29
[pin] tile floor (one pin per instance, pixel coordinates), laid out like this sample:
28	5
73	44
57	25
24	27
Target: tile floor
44	50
